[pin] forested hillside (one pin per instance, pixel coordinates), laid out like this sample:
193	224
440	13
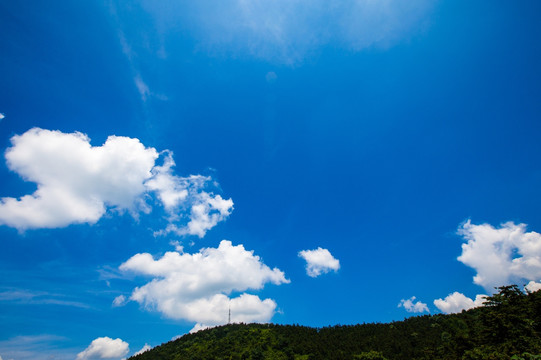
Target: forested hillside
507	327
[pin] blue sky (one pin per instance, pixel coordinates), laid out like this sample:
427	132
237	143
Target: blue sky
311	162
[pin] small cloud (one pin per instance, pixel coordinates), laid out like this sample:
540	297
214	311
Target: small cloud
143	349
104	348
178	246
1	117
271	77
533	286
319	261
119	301
413	307
145	92
456	302
142	87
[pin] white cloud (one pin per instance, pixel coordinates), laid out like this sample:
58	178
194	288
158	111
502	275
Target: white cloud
78	183
205	213
319	261
104	348
171	190
195	287
456	302
501	256
288	30
1	117
143	349
205	209
75	180
120	300
411	306
533	286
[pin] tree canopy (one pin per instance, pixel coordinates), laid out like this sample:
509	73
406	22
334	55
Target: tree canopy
508	326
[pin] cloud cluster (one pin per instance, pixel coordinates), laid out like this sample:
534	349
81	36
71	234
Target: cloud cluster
287	30
78	183
319	261
501	256
414	307
195	287
104	348
456	302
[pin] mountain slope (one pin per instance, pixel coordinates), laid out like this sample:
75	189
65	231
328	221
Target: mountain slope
509	325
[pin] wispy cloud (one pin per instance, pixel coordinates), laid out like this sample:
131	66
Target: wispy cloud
286	31
142	87
22	296
37	347
132	58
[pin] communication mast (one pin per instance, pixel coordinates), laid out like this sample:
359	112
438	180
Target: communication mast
229	321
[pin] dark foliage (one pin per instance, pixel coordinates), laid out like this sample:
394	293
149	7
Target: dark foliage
507	327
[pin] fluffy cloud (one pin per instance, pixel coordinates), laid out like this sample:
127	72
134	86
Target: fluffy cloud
78	183
287	30
319	261
195	287
532	286
456	302
1	117
205	209
501	256
104	348
411	306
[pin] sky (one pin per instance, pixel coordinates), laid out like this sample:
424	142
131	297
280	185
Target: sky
291	161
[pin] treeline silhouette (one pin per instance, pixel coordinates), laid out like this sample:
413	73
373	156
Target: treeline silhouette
508	326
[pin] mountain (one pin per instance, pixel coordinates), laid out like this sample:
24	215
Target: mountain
508	326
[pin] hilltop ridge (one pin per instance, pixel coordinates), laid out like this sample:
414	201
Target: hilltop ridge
508	326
